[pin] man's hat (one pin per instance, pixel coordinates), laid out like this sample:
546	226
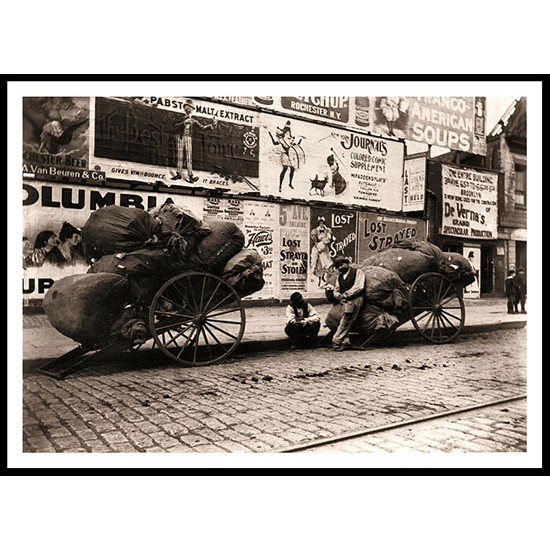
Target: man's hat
189	103
340	260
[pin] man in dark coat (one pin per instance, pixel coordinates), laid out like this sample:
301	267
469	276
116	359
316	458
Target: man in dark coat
511	290
521	290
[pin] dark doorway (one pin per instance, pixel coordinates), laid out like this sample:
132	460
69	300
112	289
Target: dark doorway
487	265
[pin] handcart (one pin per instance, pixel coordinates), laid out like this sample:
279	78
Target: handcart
435	306
195	318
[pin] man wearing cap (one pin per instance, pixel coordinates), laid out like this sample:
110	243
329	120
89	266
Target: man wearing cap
348	291
302	322
184	142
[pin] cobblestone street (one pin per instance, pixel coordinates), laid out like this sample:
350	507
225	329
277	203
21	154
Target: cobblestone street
270	401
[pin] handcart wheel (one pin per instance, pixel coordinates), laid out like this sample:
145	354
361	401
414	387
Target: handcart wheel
196	319
436	308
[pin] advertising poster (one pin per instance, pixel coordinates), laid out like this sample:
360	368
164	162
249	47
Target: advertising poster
469	202
293	250
215	208
176	141
55	135
378	232
257	222
473	253
332	232
414	184
454	122
260	221
301	160
50	211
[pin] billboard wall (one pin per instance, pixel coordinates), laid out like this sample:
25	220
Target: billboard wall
458	123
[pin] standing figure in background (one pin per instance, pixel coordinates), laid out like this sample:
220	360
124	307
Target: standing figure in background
65	254
321	237
521	291
286	140
44	243
184	142
302	322
510	284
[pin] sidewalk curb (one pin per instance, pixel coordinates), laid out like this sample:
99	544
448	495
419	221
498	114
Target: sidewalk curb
399	337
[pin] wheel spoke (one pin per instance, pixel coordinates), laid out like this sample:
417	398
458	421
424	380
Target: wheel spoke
213	293
172	325
206	342
219	303
211	323
448	327
181	333
444	315
206	327
223	312
226	322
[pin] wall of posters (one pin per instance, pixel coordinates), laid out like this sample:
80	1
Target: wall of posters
469	202
458	123
376	232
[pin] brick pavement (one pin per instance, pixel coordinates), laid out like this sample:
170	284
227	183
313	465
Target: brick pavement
499	428
266	401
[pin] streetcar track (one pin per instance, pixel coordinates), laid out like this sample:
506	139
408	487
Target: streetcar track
325	441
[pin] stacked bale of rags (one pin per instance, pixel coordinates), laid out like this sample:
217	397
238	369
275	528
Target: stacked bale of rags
389	274
131	253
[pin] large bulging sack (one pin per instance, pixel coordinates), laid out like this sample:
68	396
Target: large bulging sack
172	217
458	268
244	272
384	287
83	307
374	322
149	262
429	249
217	248
408	264
113	229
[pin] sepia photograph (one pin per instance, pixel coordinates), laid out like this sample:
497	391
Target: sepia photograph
215	277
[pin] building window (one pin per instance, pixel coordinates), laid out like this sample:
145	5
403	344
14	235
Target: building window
521	185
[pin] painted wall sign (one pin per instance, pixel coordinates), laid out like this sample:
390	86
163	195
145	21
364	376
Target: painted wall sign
469	202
